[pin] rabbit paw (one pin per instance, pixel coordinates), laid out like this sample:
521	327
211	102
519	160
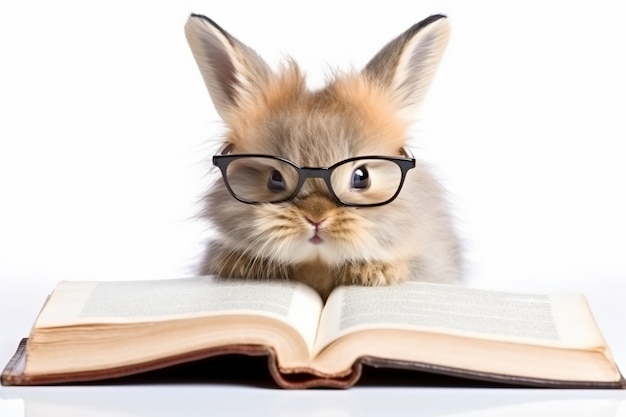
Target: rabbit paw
374	273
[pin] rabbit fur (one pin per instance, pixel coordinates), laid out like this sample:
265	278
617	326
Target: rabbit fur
356	113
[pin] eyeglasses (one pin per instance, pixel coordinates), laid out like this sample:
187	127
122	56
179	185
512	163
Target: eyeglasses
363	181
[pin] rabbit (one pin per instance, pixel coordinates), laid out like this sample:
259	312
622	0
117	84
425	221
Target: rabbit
268	229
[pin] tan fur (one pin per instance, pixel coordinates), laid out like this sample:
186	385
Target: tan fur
356	114
280	92
372	107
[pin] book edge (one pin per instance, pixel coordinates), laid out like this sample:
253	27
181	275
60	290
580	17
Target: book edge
13	373
502	379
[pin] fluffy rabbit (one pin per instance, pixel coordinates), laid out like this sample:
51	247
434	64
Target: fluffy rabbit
324	227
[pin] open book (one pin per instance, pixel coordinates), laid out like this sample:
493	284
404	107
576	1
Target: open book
98	330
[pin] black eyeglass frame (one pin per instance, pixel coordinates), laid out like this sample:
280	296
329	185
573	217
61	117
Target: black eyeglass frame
224	158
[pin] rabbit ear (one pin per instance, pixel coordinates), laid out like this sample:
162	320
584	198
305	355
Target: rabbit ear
407	64
231	70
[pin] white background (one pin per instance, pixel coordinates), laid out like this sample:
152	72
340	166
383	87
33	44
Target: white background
107	131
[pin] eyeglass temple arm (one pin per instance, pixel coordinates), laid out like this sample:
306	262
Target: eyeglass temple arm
226	149
405	151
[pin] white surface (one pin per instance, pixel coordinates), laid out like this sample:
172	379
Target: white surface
193	401
107	130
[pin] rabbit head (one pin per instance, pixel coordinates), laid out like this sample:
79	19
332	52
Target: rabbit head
312	235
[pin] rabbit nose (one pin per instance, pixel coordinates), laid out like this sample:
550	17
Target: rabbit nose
315	223
316	239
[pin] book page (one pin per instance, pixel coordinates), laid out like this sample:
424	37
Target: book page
74	303
554	320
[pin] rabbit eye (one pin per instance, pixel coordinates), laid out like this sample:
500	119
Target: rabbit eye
360	178
276	182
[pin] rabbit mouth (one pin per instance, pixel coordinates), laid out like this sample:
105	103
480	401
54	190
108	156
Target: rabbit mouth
316	239
316	225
